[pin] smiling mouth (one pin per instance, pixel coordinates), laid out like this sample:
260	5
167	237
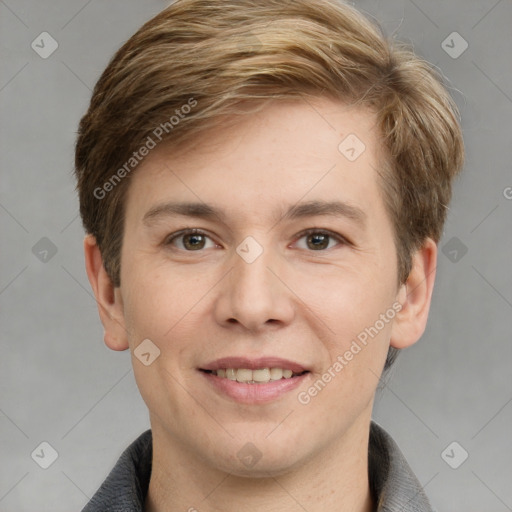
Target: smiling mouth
256	376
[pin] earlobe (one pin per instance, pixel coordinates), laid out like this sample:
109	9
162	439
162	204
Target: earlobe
109	302
415	296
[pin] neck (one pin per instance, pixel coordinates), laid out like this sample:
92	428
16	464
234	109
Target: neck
334	480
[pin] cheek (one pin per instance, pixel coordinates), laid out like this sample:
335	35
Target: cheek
160	307
159	301
345	301
354	322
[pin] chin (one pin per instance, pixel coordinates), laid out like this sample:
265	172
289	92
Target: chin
261	459
262	469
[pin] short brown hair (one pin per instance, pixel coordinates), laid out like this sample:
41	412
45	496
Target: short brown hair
223	55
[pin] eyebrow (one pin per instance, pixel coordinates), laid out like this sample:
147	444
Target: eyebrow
297	211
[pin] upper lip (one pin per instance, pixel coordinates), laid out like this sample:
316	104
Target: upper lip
254	364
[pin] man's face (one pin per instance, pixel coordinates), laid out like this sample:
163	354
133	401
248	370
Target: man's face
254	289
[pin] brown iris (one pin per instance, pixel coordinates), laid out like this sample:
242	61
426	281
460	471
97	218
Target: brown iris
194	241
317	241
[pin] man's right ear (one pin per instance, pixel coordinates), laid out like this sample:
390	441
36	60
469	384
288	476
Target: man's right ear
108	298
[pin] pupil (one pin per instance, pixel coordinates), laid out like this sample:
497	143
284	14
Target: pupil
194	241
319	241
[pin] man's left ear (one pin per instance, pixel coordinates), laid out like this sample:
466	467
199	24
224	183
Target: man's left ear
414	296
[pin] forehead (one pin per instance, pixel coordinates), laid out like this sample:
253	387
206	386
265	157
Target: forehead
287	152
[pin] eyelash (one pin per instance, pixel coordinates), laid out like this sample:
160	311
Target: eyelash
318	231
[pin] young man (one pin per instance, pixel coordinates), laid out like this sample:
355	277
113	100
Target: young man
263	185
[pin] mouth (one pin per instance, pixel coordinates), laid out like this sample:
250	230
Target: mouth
254	381
256	376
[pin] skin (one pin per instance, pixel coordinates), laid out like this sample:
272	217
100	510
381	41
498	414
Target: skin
294	301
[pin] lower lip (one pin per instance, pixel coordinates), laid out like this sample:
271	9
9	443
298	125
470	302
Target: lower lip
254	393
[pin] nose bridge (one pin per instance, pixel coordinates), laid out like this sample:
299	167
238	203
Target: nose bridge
253	294
251	276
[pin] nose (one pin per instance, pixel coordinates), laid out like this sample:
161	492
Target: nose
253	294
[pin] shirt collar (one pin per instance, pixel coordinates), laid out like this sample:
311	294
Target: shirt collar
392	482
394	486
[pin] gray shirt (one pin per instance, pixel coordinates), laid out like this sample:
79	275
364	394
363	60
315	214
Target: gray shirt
393	484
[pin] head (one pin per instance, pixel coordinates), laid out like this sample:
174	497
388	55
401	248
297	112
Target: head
183	111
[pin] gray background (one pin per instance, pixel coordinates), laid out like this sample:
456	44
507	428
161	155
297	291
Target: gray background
60	384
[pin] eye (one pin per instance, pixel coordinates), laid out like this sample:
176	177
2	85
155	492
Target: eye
190	240
318	239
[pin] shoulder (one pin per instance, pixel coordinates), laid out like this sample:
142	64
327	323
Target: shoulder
392	481
126	486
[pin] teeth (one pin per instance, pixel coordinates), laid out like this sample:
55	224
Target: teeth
243	375
261	375
276	373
